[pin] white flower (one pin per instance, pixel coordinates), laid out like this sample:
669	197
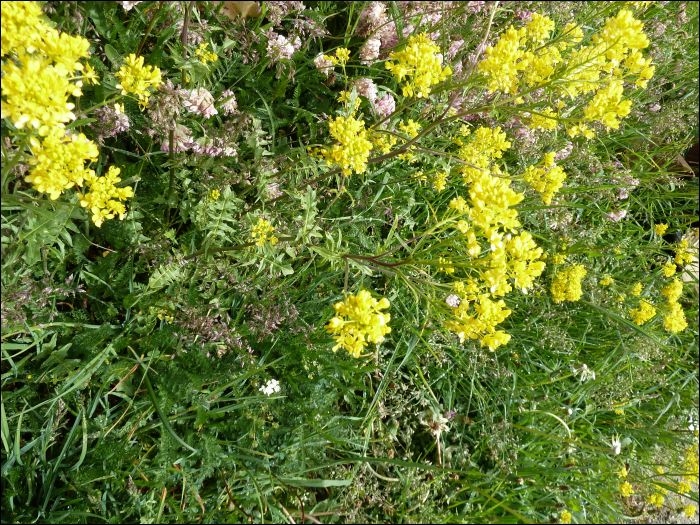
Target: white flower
271	387
324	65
616	446
586	373
370	51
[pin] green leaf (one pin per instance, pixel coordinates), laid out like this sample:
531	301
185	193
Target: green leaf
114	57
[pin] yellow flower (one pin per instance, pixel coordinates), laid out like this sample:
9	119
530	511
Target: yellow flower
606	281
660	229
669	269
440	180
353	151
259	233
359	319
683	487
214	195
567	284
622	473
103	198
642	314
205	55
607	105
674	320
545	180
660	470
58	162
565	516
419	61
673	291
343	55
134	78
656	499
636	289
559	258
690	510
626	489
544	120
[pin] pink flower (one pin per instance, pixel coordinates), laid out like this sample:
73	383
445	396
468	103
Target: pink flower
370	51
367	88
385	106
200	102
324	65
228	102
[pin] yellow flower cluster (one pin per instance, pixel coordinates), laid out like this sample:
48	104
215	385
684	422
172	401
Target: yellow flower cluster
103	198
36	83
636	289
567	283
260	234
205	55
656	499
411	129
383	142
491	219
690	463
626	489
642	314
606	281
418	61
353	151
674	320
214	195
478	154
614	56
683	254
35	89
134	78
545	119
669	269
477	316
660	229
546	178
690	510
59	162
359	319
440	180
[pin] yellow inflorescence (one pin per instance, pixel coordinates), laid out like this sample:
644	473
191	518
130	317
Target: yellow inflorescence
134	78
205	55
642	314
37	81
660	229
567	284
546	179
626	489
103	198
656	499
419	62
353	151
58	162
674	319
477	316
519	59
359	320
260	234
606	281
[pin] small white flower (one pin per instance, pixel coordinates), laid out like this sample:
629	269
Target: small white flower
586	373
271	387
616	446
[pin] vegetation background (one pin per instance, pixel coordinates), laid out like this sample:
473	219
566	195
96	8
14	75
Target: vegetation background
173	366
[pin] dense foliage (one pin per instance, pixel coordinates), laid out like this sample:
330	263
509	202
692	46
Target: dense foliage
348	261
